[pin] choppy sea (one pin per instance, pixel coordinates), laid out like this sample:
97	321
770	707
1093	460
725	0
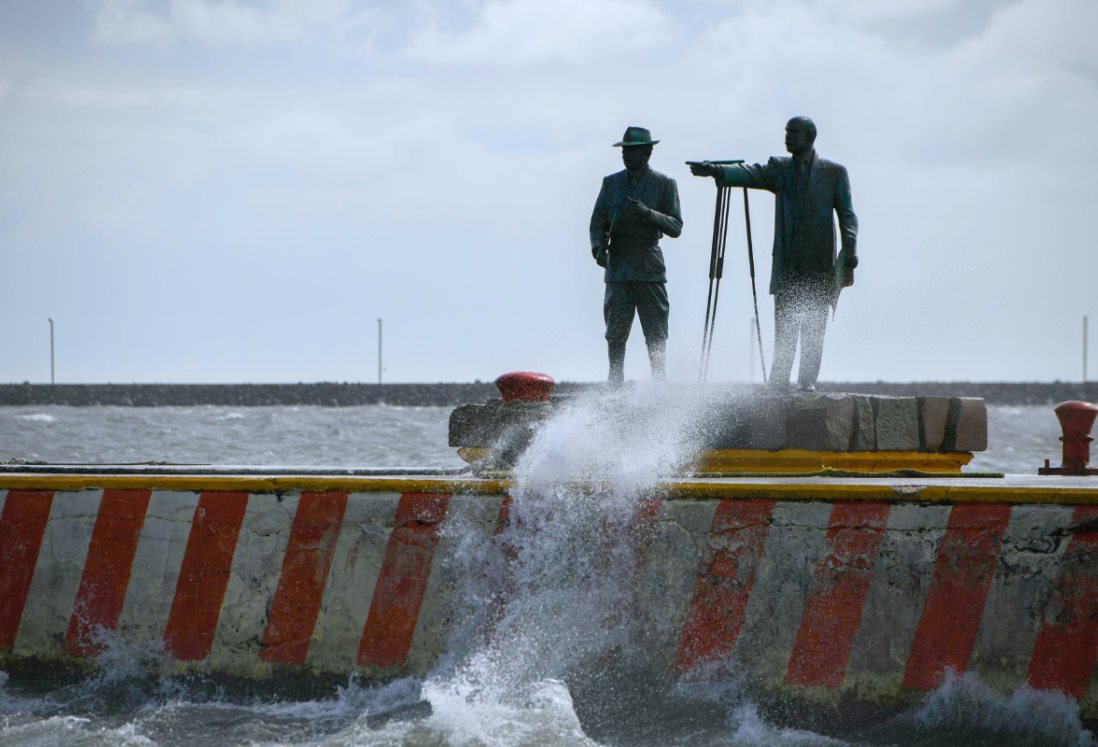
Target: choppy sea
545	679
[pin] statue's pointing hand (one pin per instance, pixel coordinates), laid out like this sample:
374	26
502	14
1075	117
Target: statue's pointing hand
704	168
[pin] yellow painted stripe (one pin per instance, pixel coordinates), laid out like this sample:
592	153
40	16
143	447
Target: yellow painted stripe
787	461
803	462
947	491
256	483
889	492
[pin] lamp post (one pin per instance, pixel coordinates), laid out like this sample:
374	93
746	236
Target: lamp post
379	351
52	380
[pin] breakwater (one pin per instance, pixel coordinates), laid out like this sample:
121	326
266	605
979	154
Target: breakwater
326	394
346	394
826	591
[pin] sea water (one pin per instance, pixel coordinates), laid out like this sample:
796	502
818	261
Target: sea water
566	661
1020	437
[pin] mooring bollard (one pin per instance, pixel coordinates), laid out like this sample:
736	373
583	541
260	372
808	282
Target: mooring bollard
525	386
1076	420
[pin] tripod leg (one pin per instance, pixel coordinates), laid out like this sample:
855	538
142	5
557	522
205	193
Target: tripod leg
754	293
723	234
714	256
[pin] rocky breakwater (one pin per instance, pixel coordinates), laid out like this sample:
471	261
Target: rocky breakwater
755	429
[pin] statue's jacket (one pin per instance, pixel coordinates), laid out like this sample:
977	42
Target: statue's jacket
813	242
634	249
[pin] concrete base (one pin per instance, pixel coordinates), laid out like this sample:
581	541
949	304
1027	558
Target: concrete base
820	591
761	420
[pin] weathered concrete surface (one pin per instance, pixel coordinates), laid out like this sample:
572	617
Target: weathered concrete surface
61	557
762	420
820	600
865	425
933	418
894	600
966	425
823	422
155	569
352	580
897	423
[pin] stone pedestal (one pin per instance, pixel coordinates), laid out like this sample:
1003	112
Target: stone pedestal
759	420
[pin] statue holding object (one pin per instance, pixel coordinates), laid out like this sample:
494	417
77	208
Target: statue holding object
635	208
806	274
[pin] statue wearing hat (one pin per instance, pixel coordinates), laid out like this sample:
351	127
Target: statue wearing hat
634	209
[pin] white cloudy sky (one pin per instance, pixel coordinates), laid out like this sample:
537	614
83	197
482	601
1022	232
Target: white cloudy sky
207	190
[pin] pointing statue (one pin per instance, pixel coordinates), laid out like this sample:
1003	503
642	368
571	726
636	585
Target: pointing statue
806	276
634	209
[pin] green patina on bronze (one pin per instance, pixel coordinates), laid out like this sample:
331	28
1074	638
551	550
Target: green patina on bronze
806	273
634	209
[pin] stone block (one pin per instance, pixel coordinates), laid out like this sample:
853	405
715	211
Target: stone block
897	423
966	425
513	428
819	422
933	414
761	419
865	430
767	418
472	425
726	424
742	422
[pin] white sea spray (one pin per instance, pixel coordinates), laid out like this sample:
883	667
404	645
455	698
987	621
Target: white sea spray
38	417
965	702
567	559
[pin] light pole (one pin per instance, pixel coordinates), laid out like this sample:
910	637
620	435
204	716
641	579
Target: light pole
52	380
1084	350
379	351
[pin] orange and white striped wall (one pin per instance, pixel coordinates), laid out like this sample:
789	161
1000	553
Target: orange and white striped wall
816	587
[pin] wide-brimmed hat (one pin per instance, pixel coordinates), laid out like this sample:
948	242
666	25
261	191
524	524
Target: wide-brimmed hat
635	136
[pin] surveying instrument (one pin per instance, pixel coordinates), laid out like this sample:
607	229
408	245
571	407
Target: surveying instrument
716	269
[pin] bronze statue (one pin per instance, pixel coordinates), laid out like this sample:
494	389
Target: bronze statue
806	276
635	207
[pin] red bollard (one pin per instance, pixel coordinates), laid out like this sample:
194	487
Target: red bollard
1076	420
525	386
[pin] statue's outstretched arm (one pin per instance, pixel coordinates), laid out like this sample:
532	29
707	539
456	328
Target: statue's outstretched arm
753	175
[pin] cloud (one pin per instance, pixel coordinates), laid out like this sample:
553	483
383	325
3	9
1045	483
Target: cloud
1030	38
122	21
464	148
873	11
219	22
532	31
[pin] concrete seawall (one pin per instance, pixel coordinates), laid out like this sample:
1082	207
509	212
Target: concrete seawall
334	394
823	590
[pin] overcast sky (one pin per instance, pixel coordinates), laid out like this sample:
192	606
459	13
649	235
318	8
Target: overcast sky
206	191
